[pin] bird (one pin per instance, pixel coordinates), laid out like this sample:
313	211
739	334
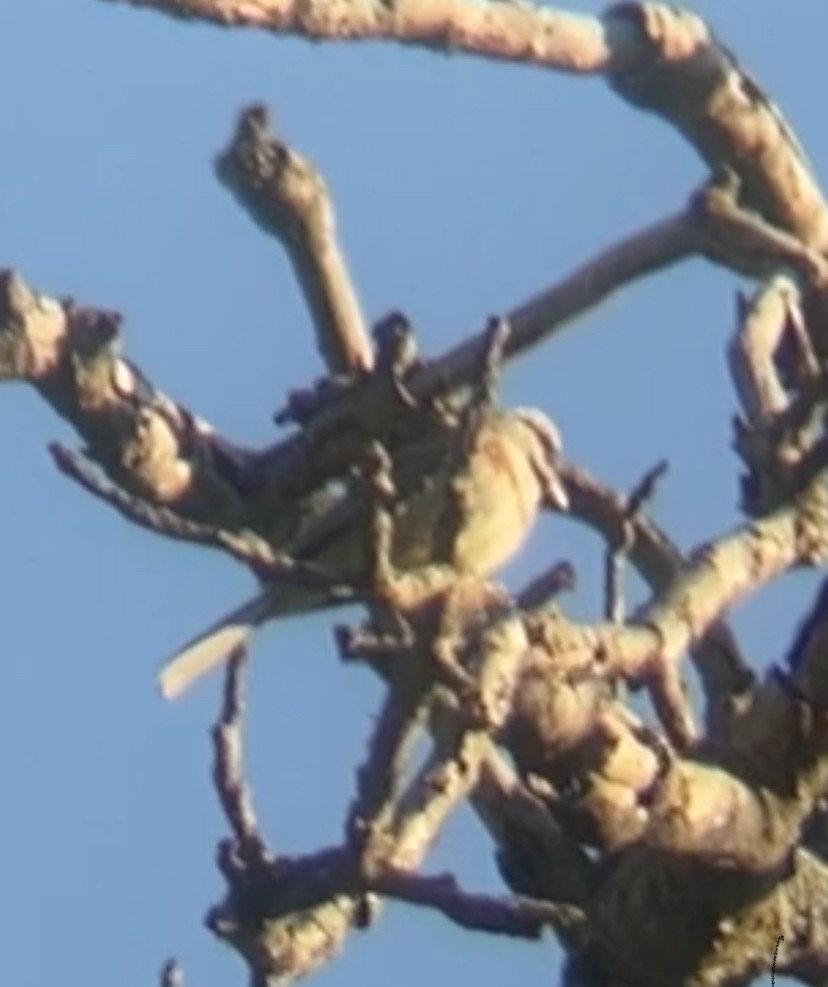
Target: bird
471	514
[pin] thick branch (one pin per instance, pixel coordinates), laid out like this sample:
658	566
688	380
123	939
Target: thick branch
156	449
285	469
660	58
147	443
290	919
288	198
513	32
674	66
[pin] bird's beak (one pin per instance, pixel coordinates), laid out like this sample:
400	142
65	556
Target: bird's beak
554	492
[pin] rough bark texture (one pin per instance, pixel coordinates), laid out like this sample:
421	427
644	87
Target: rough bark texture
663	854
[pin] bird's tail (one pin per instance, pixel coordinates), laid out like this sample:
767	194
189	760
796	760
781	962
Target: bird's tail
214	645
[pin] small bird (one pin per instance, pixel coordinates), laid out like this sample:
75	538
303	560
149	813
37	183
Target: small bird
472	513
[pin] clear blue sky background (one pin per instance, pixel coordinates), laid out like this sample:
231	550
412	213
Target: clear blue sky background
462	188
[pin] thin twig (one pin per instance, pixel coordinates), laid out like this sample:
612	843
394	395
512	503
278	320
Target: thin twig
618	548
722	668
234	792
246	546
557	579
520	917
171	974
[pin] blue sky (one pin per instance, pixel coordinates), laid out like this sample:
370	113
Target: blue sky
461	189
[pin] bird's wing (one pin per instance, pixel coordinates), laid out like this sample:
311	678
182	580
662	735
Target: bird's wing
335	540
214	645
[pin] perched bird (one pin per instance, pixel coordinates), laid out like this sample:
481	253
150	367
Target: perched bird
470	513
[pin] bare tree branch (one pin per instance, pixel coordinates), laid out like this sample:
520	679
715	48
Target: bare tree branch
523	918
670	63
618	548
660	58
284	470
288	198
622	843
717	656
569	42
172	975
228	769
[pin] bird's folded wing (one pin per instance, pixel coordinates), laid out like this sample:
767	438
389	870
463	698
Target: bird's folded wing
214	645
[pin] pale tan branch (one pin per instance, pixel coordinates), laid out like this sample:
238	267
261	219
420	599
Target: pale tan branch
733	234
169	470
717	657
156	449
290	919
284	469
630	789
147	443
693	599
445	779
287	197
507	31
717	577
723	572
659	58
299	917
673	65
762	325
